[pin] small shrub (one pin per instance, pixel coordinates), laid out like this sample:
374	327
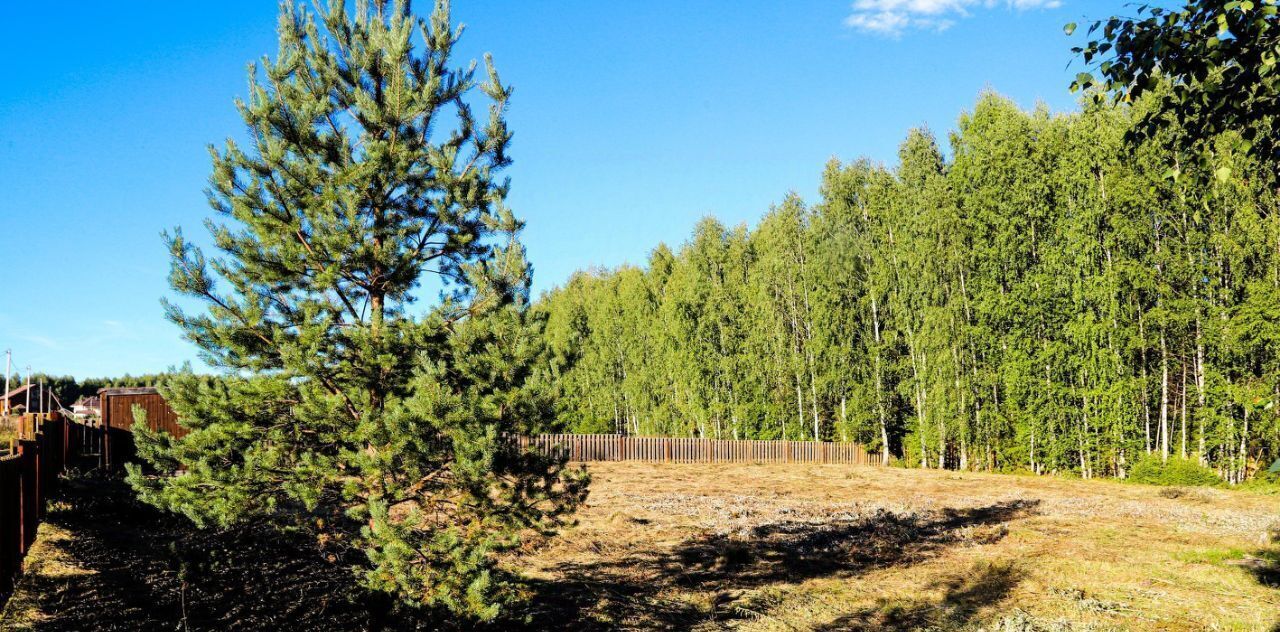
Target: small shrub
1177	471
1018	470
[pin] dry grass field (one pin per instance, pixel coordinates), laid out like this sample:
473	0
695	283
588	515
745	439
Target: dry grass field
721	546
788	547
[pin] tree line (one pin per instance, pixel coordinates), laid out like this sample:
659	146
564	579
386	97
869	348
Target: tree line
1044	296
68	389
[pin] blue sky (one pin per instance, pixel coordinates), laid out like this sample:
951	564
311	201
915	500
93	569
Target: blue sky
632	120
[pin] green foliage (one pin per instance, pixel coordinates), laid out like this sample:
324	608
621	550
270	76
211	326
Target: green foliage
344	410
1150	470
1211	63
1047	299
1263	482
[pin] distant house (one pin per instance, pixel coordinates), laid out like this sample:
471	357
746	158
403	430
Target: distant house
87	406
17	399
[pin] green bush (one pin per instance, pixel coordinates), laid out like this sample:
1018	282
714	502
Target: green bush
1263	482
1150	470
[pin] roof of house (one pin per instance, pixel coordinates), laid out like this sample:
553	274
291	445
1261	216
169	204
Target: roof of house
18	391
92	401
133	390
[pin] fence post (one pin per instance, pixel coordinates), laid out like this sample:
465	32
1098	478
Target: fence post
11	527
29	476
66	440
105	425
39	480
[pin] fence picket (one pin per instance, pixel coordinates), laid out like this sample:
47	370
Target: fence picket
627	448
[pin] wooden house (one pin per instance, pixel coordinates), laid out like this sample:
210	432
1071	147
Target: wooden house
118	407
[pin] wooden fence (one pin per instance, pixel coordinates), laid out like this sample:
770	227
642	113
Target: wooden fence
580	447
118	406
27	478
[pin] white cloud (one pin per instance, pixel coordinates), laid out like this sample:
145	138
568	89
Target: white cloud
893	17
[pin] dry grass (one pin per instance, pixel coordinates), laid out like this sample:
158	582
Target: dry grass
796	547
8	432
715	547
47	558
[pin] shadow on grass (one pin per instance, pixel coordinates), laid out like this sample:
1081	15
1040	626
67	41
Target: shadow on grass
1264	565
147	570
637	592
962	598
142	569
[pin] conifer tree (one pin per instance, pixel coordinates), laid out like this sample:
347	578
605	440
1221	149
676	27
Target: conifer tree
345	410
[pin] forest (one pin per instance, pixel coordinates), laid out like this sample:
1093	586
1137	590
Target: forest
1040	294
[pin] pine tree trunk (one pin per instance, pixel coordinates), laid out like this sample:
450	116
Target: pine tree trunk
376	315
1200	394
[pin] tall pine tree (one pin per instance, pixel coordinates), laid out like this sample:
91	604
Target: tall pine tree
382	429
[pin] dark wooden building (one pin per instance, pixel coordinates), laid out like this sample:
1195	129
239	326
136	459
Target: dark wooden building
17	398
118	419
29	398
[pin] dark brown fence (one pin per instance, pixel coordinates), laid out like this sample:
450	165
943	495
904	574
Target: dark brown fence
688	450
27	478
